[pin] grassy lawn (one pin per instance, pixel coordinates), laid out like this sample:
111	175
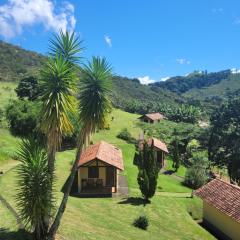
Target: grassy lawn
111	218
181	170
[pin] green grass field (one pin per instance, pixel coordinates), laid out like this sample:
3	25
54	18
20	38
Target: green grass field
109	218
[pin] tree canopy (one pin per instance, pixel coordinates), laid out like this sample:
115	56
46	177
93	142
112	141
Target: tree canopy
224	143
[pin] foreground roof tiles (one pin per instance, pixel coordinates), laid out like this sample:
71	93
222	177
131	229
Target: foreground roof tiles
223	196
158	144
105	152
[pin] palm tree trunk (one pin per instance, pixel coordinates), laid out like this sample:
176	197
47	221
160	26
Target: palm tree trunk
51	167
55	225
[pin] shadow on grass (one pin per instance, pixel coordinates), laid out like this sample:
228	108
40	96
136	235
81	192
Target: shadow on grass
21	234
135	201
169	172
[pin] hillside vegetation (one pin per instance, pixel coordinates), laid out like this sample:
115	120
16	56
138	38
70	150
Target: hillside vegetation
201	89
17	63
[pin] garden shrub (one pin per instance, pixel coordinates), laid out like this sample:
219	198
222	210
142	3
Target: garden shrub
141	222
126	135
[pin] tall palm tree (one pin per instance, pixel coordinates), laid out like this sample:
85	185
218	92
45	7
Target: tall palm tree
58	84
57	93
34	198
94	106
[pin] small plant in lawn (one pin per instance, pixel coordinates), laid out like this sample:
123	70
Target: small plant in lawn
126	135
141	222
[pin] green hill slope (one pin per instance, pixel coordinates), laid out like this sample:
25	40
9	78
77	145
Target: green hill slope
16	62
224	89
198	88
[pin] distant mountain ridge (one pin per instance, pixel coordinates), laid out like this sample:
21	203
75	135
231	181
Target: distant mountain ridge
198	88
182	84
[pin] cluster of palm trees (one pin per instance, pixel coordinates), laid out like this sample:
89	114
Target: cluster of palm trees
67	86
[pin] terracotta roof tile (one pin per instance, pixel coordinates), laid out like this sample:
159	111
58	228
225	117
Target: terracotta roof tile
105	152
223	196
154	116
158	144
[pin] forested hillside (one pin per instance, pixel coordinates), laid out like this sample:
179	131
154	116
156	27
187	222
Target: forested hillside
16	62
202	89
182	84
199	89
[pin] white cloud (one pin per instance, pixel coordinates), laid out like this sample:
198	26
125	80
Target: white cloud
164	79
17	14
235	70
108	41
182	61
146	80
217	10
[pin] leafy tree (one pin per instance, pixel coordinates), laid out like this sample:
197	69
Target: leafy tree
175	153
94	107
23	116
28	88
224	143
34	198
192	147
148	170
197	173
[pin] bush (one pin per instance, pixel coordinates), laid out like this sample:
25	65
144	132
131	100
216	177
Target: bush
23	117
141	222
126	135
197	175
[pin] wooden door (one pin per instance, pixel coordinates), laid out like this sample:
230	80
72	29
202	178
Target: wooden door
110	176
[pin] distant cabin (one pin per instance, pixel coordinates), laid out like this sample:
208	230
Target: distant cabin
221	208
152	118
98	170
160	149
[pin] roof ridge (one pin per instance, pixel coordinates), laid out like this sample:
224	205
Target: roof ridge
100	143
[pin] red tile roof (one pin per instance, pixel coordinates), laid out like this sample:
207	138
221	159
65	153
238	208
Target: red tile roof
154	116
158	144
223	196
105	152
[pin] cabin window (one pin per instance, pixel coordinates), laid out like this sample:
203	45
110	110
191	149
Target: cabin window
93	172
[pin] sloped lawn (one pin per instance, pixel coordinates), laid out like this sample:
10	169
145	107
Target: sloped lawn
112	218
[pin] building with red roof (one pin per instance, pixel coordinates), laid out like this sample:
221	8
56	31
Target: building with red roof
221	208
98	169
159	146
152	117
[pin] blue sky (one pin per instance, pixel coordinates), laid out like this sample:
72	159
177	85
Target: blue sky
151	39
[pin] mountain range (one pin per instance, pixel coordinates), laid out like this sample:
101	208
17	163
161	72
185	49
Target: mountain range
198	88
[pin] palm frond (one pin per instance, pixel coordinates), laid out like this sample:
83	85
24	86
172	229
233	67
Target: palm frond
66	45
58	85
94	94
34	198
